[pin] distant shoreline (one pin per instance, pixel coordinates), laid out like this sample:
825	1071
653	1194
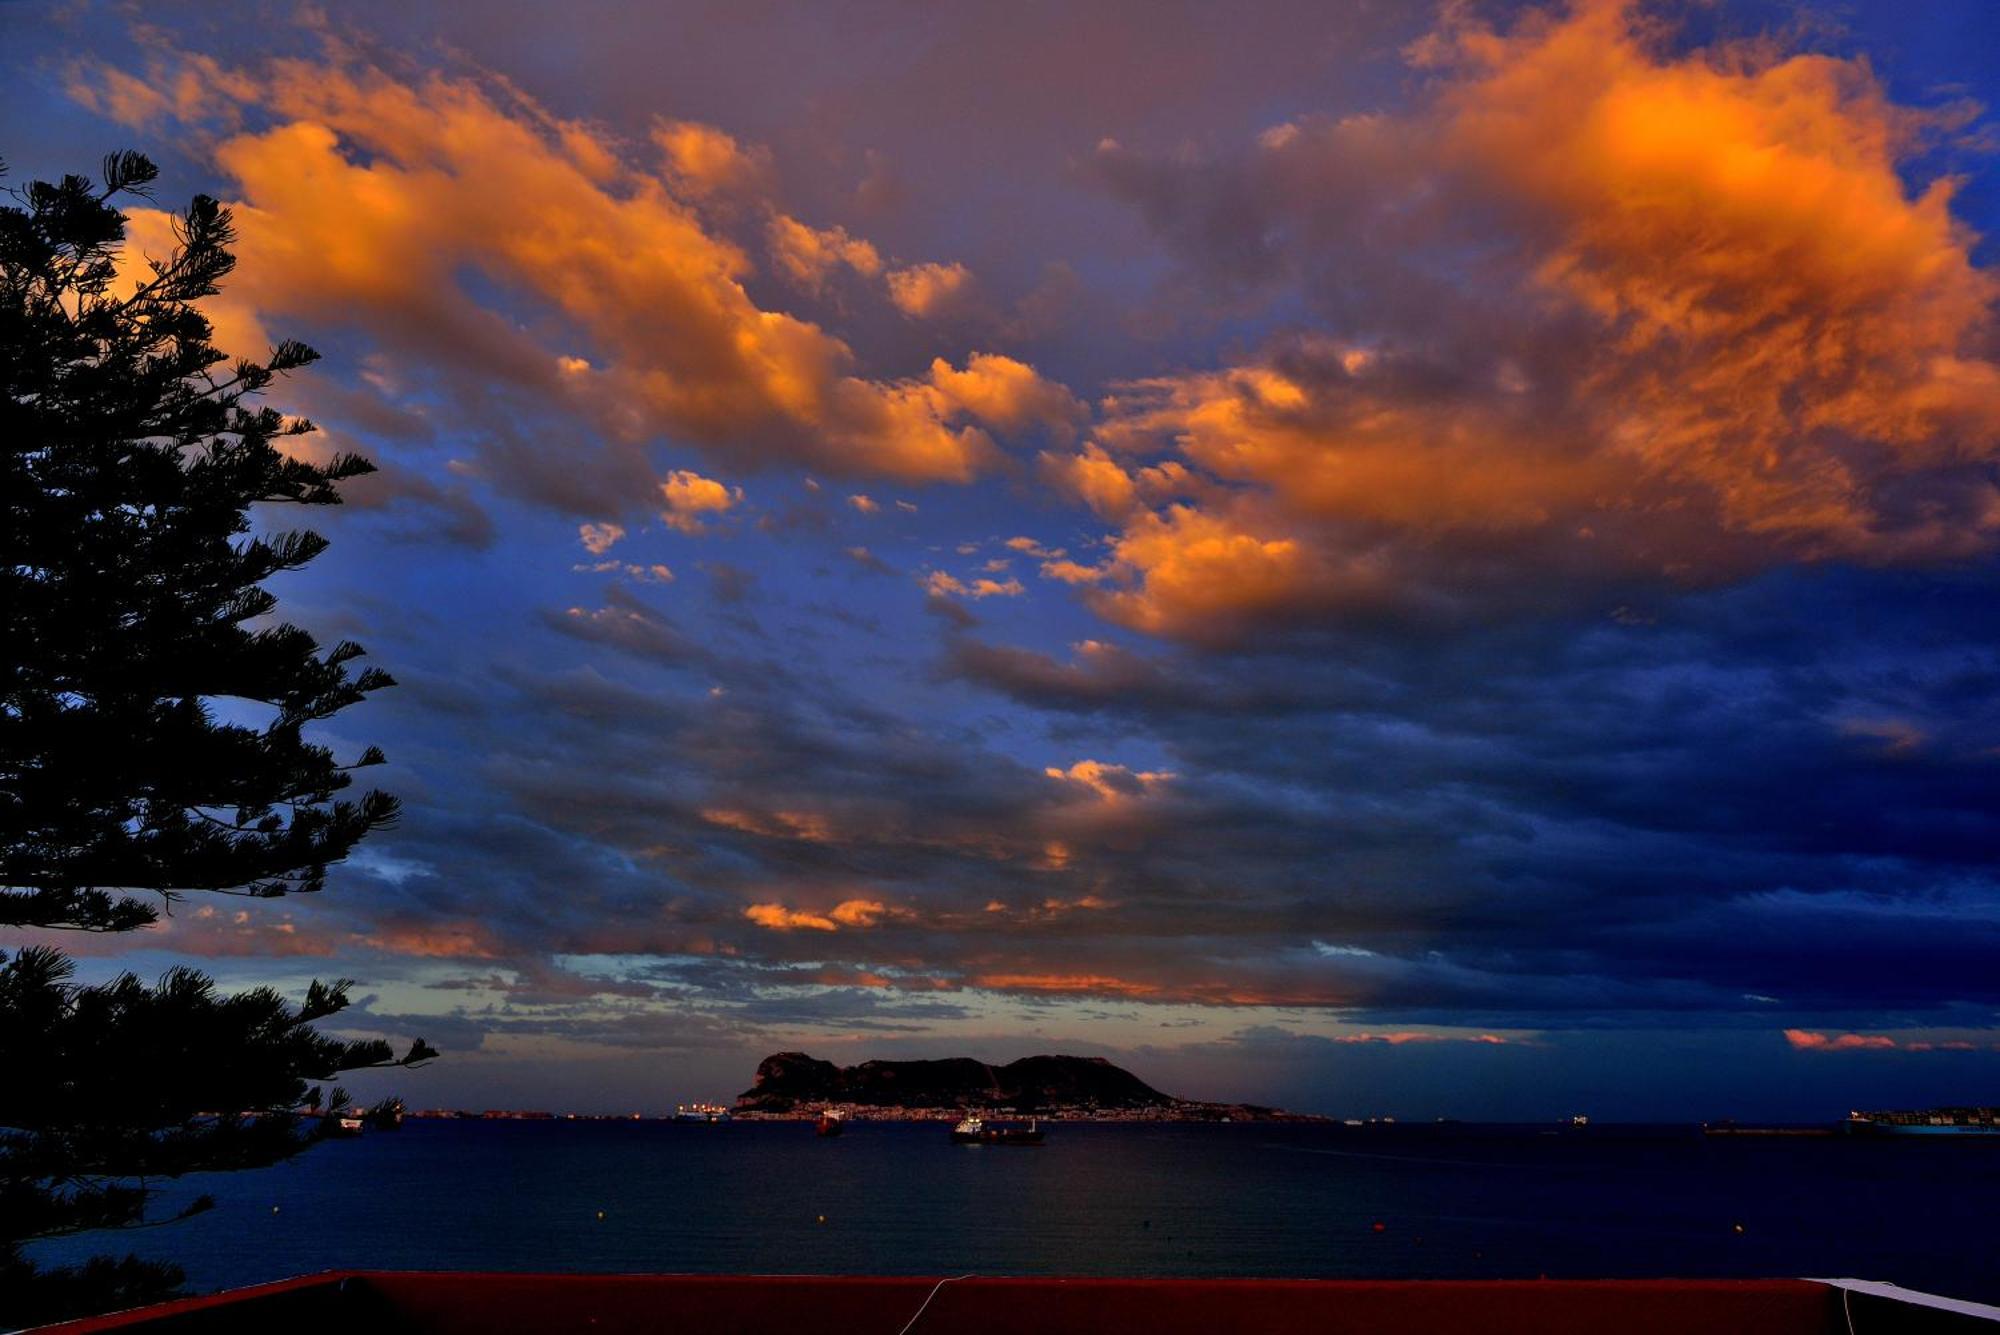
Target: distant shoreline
1190	1114
1187	1114
1194	1115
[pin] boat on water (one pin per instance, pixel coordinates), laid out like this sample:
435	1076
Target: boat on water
1731	1127
830	1123
1929	1122
341	1124
700	1112
974	1131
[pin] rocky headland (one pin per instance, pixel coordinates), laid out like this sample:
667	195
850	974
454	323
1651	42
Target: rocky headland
795	1085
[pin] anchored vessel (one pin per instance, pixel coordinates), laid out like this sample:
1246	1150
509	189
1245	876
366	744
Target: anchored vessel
829	1123
700	1112
1931	1122
974	1131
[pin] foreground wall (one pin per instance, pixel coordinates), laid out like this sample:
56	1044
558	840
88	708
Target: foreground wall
381	1303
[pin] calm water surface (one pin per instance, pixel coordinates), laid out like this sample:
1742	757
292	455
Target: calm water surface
1453	1202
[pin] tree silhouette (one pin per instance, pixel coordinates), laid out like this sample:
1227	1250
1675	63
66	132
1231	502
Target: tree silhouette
152	729
112	1086
131	590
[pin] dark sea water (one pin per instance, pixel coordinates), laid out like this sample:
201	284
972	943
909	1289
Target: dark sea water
1452	1201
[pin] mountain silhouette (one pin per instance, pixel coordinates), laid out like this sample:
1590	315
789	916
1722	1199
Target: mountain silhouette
786	1080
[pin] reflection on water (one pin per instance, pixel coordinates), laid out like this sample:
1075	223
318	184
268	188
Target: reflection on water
1451	1202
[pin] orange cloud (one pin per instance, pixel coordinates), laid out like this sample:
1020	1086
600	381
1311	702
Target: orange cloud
1055	857
1097	984
931	291
190	87
1093	477
834	976
597	539
708	163
1714	329
1110	783
1026	977
213	932
1070	572
434	940
808	255
1806	1040
1773	290
781	919
1028	547
940	584
805	826
855	913
1399	1037
1197	573
691	498
368	200
1007	394
859	912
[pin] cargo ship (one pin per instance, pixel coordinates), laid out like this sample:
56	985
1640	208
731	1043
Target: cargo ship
341	1124
830	1123
1930	1122
974	1131
700	1112
1731	1127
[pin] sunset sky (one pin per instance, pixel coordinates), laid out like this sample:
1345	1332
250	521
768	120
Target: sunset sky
1434	560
